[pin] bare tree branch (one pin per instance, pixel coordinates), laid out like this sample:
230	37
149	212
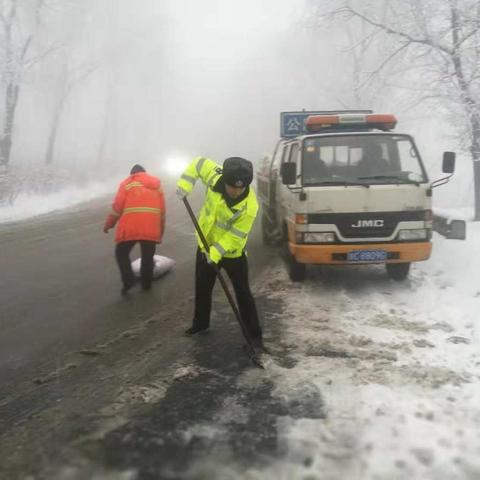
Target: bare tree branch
467	36
80	76
385	62
392	31
29	63
28	41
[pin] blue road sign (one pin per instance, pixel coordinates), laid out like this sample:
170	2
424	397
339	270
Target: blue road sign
292	124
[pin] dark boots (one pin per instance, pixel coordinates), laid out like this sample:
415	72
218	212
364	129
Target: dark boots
194	330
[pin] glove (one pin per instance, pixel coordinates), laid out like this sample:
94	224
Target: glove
208	259
181	193
109	223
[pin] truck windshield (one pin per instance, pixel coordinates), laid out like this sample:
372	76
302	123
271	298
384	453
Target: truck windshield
368	158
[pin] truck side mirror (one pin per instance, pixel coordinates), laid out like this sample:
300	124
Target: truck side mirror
457	230
448	165
288	171
448	228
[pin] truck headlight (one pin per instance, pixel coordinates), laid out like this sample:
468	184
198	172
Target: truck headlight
416	234
320	237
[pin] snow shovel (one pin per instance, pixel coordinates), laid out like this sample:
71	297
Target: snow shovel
251	350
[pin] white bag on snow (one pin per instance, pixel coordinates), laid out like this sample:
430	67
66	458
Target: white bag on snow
161	266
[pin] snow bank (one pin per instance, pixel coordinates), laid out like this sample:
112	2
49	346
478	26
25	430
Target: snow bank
27	205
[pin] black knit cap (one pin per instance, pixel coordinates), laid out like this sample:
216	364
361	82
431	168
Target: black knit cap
237	172
136	169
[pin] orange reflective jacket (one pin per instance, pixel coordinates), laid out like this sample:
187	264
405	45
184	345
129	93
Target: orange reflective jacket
140	207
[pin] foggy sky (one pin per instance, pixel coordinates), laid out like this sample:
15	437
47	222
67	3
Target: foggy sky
187	77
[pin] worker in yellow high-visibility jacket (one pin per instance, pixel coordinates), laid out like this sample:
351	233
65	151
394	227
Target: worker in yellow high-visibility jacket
226	218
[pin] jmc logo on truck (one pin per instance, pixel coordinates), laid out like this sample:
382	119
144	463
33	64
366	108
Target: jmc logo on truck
344	188
368	223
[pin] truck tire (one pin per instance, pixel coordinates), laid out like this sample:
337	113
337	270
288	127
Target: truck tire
398	271
266	239
269	232
296	271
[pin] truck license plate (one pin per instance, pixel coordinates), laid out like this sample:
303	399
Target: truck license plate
367	256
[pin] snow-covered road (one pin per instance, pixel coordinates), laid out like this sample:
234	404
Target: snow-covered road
396	366
368	379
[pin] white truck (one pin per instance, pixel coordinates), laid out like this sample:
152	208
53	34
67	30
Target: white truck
343	188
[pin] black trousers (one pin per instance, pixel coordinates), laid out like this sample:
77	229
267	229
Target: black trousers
205	277
122	254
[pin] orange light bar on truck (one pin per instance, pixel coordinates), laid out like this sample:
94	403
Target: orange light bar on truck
381	121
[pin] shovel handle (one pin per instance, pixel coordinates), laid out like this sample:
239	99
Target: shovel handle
195	223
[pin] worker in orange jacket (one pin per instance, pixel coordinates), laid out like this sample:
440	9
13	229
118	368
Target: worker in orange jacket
139	208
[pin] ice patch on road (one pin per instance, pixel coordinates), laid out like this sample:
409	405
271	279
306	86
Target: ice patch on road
206	431
188	371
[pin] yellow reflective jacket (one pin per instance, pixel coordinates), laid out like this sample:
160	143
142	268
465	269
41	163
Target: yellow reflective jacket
225	228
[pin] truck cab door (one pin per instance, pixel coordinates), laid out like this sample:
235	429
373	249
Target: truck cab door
285	198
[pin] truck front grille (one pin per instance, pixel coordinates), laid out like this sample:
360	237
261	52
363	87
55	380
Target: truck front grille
366	224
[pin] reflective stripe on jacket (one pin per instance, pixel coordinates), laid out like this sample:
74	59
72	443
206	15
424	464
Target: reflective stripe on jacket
225	228
140	204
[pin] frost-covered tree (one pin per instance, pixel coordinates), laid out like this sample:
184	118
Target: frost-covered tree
19	24
360	77
70	79
440	41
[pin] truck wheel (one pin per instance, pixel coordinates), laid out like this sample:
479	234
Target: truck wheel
398	271
296	271
269	233
266	239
